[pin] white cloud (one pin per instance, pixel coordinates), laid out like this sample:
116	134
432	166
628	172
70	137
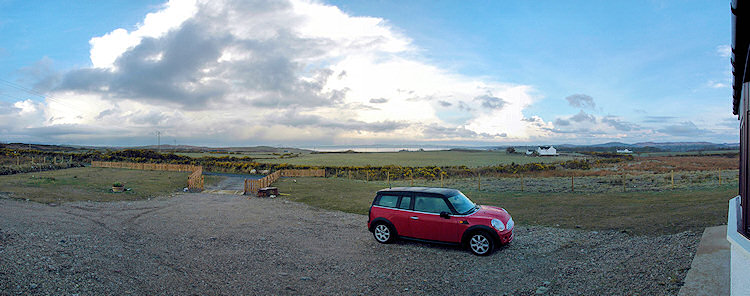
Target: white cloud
724	50
714	84
272	71
106	49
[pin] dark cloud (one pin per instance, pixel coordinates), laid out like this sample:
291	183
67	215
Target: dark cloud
463	106
41	75
658	119
583	116
490	102
8	108
294	119
581	101
620	124
437	131
683	129
184	67
106	113
445	103
152	118
561	122
379	101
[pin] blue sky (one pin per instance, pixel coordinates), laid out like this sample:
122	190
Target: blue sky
366	72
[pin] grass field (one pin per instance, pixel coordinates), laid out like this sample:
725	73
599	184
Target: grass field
415	159
654	212
687	153
94	184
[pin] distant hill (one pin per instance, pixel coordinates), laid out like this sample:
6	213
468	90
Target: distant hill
188	148
650	147
40	147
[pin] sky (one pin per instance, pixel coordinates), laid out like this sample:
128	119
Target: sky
304	73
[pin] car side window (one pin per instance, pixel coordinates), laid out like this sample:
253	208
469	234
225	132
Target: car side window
388	201
430	204
405	203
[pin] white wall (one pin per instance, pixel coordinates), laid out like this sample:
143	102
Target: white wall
739	268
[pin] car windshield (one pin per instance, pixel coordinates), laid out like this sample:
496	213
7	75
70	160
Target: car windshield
461	203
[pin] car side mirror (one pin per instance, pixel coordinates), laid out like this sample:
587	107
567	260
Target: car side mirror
445	215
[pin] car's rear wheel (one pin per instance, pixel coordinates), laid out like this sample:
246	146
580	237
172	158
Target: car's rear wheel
383	233
480	243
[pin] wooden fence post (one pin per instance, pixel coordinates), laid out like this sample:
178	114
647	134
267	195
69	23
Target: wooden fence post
479	181
412	179
672	174
572	186
623	183
719	177
367	178
441	179
521	182
388	176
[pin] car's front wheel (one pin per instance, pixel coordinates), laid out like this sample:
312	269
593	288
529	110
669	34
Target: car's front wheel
383	233
480	243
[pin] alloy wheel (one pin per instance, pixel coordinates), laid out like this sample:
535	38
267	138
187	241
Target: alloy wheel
479	244
382	233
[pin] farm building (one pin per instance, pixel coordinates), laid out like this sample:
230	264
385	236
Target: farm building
627	151
529	152
546	150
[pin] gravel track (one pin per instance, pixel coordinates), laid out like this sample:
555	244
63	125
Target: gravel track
224	244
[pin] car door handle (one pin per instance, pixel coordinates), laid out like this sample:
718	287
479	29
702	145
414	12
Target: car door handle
415	218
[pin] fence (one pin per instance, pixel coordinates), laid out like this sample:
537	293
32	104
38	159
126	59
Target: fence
303	173
254	185
645	182
146	166
195	180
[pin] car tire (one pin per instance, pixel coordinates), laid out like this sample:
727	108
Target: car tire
383	233
480	243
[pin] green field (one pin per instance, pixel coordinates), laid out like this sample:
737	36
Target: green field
236	154
654	212
94	184
415	159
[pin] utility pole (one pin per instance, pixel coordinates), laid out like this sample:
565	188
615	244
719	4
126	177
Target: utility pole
158	141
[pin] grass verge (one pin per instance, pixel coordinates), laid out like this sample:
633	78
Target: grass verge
651	213
94	184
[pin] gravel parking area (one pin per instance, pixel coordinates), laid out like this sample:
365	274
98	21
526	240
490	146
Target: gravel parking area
224	244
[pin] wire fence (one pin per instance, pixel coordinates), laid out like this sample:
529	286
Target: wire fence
584	184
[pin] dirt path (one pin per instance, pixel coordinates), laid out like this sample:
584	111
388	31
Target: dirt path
223	244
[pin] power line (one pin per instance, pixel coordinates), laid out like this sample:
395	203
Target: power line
34	93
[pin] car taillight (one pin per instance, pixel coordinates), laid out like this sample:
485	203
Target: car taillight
369	215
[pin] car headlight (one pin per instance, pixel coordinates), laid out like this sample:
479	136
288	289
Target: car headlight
498	224
510	223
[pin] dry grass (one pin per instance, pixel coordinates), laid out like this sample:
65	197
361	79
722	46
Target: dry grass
94	184
661	212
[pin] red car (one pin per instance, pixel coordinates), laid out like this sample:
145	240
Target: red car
438	215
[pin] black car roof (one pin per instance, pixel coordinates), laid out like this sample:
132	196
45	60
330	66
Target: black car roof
433	190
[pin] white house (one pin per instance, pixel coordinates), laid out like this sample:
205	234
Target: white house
626	150
529	152
546	150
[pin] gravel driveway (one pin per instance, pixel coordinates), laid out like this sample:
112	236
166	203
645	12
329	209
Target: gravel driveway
223	244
